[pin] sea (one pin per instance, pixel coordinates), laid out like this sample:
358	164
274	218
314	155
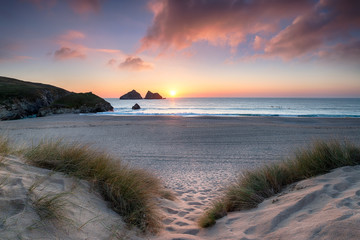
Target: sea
230	107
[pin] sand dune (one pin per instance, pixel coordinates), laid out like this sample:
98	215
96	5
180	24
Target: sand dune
83	214
324	207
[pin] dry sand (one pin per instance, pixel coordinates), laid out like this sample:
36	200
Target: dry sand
325	207
195	157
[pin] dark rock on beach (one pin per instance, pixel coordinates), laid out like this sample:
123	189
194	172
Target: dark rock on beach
131	95
136	106
150	95
20	99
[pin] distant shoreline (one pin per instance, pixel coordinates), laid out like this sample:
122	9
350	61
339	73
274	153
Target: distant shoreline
217	116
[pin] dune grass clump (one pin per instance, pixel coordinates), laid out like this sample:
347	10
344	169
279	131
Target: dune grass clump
252	187
50	206
5	147
130	191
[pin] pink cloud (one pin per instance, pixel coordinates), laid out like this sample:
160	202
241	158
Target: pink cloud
280	28
178	24
259	43
109	51
85	6
330	20
72	35
65	53
72	46
134	63
9	51
349	51
112	62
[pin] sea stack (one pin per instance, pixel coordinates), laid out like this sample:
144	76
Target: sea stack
136	107
131	95
150	95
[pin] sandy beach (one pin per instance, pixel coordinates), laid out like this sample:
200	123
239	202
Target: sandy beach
195	157
197	153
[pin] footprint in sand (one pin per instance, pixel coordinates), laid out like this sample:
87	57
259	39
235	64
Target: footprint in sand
11	207
250	230
171	211
181	223
343	217
341	186
188	199
182	213
192	231
170	229
167	221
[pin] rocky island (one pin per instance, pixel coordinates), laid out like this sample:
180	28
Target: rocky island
150	95
135	95
131	95
20	99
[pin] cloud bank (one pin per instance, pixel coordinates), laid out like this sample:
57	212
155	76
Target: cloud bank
272	28
65	53
134	64
71	46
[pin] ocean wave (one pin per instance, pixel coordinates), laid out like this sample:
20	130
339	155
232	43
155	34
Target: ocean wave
194	114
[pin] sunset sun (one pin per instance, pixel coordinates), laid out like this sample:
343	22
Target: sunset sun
172	93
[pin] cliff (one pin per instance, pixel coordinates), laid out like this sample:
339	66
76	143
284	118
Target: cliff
19	99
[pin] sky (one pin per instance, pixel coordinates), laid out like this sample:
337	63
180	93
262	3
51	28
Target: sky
196	48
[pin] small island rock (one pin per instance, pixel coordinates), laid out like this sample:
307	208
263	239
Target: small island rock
131	95
136	106
150	95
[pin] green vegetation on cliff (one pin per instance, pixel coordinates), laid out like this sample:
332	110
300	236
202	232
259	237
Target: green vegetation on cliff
78	100
19	99
11	88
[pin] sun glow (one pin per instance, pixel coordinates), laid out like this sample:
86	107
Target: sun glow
172	93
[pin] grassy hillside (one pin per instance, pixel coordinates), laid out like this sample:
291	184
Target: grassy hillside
19	99
12	88
77	100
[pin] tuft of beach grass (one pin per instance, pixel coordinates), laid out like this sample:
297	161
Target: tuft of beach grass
50	206
252	187
131	192
4	145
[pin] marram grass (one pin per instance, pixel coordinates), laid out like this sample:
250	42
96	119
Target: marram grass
4	146
131	192
252	187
